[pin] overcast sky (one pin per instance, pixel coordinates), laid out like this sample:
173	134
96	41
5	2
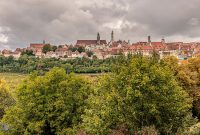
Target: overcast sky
64	21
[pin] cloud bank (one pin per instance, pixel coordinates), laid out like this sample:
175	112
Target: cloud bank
65	21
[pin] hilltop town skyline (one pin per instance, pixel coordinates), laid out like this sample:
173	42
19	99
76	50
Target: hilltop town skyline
102	49
106	40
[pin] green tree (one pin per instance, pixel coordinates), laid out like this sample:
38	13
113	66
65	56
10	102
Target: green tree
47	48
50	104
172	62
188	76
81	49
89	53
54	48
72	48
28	52
6	99
138	94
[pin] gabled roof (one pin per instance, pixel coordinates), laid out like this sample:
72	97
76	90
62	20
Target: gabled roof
158	45
33	45
90	42
61	49
144	47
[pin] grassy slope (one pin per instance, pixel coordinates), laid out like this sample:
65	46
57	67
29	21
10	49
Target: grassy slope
13	79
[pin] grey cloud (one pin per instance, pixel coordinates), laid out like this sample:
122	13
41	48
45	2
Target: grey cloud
64	21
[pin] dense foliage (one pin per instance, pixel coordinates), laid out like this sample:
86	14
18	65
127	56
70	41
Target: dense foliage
188	75
28	52
80	49
27	64
48	48
6	99
139	95
49	104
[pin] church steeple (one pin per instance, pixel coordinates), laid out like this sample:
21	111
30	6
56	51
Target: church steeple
43	41
163	40
149	39
98	38
112	36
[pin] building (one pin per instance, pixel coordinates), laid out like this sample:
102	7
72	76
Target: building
96	42
37	48
16	54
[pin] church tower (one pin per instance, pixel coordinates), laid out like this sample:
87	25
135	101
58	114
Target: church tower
112	36
149	39
43	41
98	38
163	40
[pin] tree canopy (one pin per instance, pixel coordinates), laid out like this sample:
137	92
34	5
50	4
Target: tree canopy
28	52
50	104
137	94
6	99
140	95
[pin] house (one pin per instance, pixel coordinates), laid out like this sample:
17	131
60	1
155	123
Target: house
37	48
167	53
174	45
51	54
158	46
39	53
119	44
85	43
61	52
73	55
15	54
98	53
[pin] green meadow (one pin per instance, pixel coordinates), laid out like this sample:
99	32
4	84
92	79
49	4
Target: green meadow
13	79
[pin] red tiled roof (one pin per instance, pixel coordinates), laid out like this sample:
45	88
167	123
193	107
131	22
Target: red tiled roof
145	47
197	47
6	51
158	45
172	47
61	49
89	42
132	47
37	45
140	47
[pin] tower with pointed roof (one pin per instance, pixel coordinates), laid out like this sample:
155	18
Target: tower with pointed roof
112	36
149	39
98	38
163	40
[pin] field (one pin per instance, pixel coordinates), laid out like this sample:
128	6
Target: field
13	79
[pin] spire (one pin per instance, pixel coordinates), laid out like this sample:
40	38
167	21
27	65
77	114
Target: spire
163	40
98	38
112	36
149	39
